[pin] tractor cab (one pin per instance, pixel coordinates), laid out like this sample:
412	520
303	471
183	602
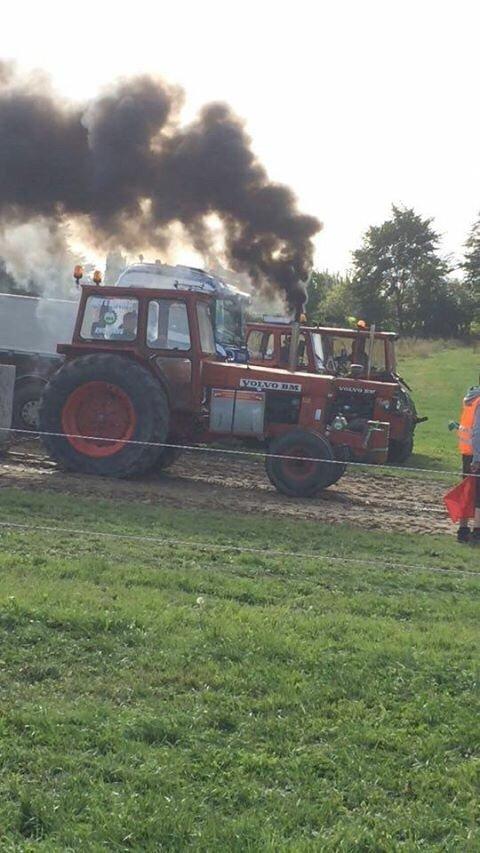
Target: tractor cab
326	350
145	320
228	304
169	331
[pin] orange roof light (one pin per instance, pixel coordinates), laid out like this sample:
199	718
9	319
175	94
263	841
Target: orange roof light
97	277
78	272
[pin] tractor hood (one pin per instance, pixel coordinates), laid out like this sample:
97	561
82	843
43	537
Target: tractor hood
365	387
252	377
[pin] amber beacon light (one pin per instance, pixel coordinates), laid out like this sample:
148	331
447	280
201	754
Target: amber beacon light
77	272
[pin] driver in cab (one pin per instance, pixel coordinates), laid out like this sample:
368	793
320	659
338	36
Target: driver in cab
128	329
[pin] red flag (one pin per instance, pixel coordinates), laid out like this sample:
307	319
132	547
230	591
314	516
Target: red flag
460	501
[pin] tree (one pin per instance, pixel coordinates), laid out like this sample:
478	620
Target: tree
399	278
460	314
317	288
471	267
328	298
338	305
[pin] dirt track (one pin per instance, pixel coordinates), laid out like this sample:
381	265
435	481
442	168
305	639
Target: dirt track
239	485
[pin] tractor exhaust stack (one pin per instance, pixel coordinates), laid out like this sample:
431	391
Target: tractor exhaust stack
294	341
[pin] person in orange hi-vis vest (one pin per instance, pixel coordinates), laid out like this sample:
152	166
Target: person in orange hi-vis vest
469	446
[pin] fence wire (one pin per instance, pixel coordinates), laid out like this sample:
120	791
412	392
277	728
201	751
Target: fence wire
263	552
257	454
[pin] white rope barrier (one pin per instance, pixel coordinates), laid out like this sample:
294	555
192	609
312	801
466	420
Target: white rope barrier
262	455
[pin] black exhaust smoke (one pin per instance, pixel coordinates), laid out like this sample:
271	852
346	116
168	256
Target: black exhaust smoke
126	164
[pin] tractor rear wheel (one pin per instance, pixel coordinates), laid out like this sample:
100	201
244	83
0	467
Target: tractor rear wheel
167	457
310	469
97	404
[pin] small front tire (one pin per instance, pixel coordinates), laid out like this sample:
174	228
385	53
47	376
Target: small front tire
399	452
310	468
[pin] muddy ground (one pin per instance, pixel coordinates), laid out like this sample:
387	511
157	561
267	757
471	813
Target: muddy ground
211	481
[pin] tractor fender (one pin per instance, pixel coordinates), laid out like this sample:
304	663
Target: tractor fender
159	375
27	378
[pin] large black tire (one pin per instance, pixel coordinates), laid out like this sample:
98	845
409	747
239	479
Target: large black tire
400	451
26	405
167	457
342	455
106	396
301	479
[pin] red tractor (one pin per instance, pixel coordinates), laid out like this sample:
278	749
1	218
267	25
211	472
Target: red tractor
142	370
361	353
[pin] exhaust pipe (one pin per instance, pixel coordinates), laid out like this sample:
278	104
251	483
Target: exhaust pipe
370	349
294	341
295	327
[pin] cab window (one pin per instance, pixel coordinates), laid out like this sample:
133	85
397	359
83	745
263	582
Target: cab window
377	356
260	345
110	319
205	328
303	361
318	351
167	325
339	353
390	356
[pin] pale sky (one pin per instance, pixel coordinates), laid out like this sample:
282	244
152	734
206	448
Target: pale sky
355	105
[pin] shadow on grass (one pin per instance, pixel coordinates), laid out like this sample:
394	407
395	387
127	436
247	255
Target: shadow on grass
423	460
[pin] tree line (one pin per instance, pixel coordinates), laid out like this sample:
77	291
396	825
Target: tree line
399	281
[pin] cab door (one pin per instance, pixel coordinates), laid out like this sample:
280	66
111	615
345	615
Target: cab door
169	342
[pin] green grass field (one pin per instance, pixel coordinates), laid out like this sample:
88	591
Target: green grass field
179	693
439	375
191	696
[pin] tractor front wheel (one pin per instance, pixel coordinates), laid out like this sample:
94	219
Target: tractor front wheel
400	451
308	466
